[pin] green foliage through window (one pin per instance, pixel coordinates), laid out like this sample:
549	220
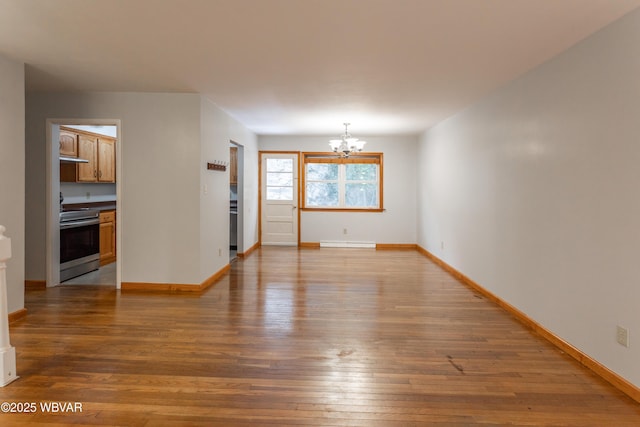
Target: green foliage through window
339	184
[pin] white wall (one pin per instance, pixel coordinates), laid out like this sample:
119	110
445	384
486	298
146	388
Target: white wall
12	175
534	192
161	179
396	225
78	192
217	129
171	230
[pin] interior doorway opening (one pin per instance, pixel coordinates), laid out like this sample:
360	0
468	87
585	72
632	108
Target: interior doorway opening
236	197
84	158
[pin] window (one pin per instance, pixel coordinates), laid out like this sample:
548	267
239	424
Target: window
279	183
336	183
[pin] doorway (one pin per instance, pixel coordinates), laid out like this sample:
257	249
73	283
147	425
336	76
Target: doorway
279	217
236	200
233	200
70	190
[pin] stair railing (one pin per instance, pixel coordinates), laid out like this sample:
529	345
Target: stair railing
7	352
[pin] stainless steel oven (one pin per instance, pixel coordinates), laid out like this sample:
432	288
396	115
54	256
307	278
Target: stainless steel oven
79	242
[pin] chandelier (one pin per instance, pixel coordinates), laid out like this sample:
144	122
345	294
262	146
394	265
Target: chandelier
346	144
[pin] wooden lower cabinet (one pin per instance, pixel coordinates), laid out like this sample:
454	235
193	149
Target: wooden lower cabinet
107	237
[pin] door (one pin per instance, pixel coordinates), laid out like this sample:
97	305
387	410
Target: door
68	144
107	237
88	150
279	199
106	160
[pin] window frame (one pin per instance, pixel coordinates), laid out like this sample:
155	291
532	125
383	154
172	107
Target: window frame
361	158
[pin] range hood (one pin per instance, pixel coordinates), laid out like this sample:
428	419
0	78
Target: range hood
72	160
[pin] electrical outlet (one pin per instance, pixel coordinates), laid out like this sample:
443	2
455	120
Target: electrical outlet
442	245
88	195
219	251
344	231
622	336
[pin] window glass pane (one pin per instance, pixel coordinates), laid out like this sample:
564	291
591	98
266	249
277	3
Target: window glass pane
322	171
361	172
279	193
361	195
322	194
282	179
279	165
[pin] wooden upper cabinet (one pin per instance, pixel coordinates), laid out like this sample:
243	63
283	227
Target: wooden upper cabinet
88	150
68	143
106	160
98	150
233	165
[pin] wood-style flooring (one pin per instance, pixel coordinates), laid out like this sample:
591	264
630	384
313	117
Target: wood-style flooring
314	337
105	275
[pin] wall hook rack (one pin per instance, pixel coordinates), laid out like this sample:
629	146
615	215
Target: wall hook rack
217	165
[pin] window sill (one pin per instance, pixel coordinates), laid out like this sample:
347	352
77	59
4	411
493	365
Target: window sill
343	210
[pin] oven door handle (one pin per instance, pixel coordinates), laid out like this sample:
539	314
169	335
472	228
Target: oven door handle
82	223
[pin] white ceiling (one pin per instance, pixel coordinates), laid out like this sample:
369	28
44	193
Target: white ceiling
299	66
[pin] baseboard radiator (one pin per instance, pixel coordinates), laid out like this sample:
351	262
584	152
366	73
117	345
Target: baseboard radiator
344	244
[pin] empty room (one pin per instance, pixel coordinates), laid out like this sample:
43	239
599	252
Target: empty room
319	212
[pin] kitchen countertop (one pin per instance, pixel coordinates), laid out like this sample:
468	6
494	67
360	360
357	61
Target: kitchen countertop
101	206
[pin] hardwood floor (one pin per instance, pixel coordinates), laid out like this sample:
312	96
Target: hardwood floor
317	337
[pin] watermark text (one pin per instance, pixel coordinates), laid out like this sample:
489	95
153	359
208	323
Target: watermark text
46	407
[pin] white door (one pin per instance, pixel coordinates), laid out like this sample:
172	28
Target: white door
279	204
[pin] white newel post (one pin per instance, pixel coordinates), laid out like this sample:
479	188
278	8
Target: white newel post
7	353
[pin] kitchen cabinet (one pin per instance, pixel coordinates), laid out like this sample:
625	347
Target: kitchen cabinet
88	150
106	160
99	151
68	143
107	237
233	165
